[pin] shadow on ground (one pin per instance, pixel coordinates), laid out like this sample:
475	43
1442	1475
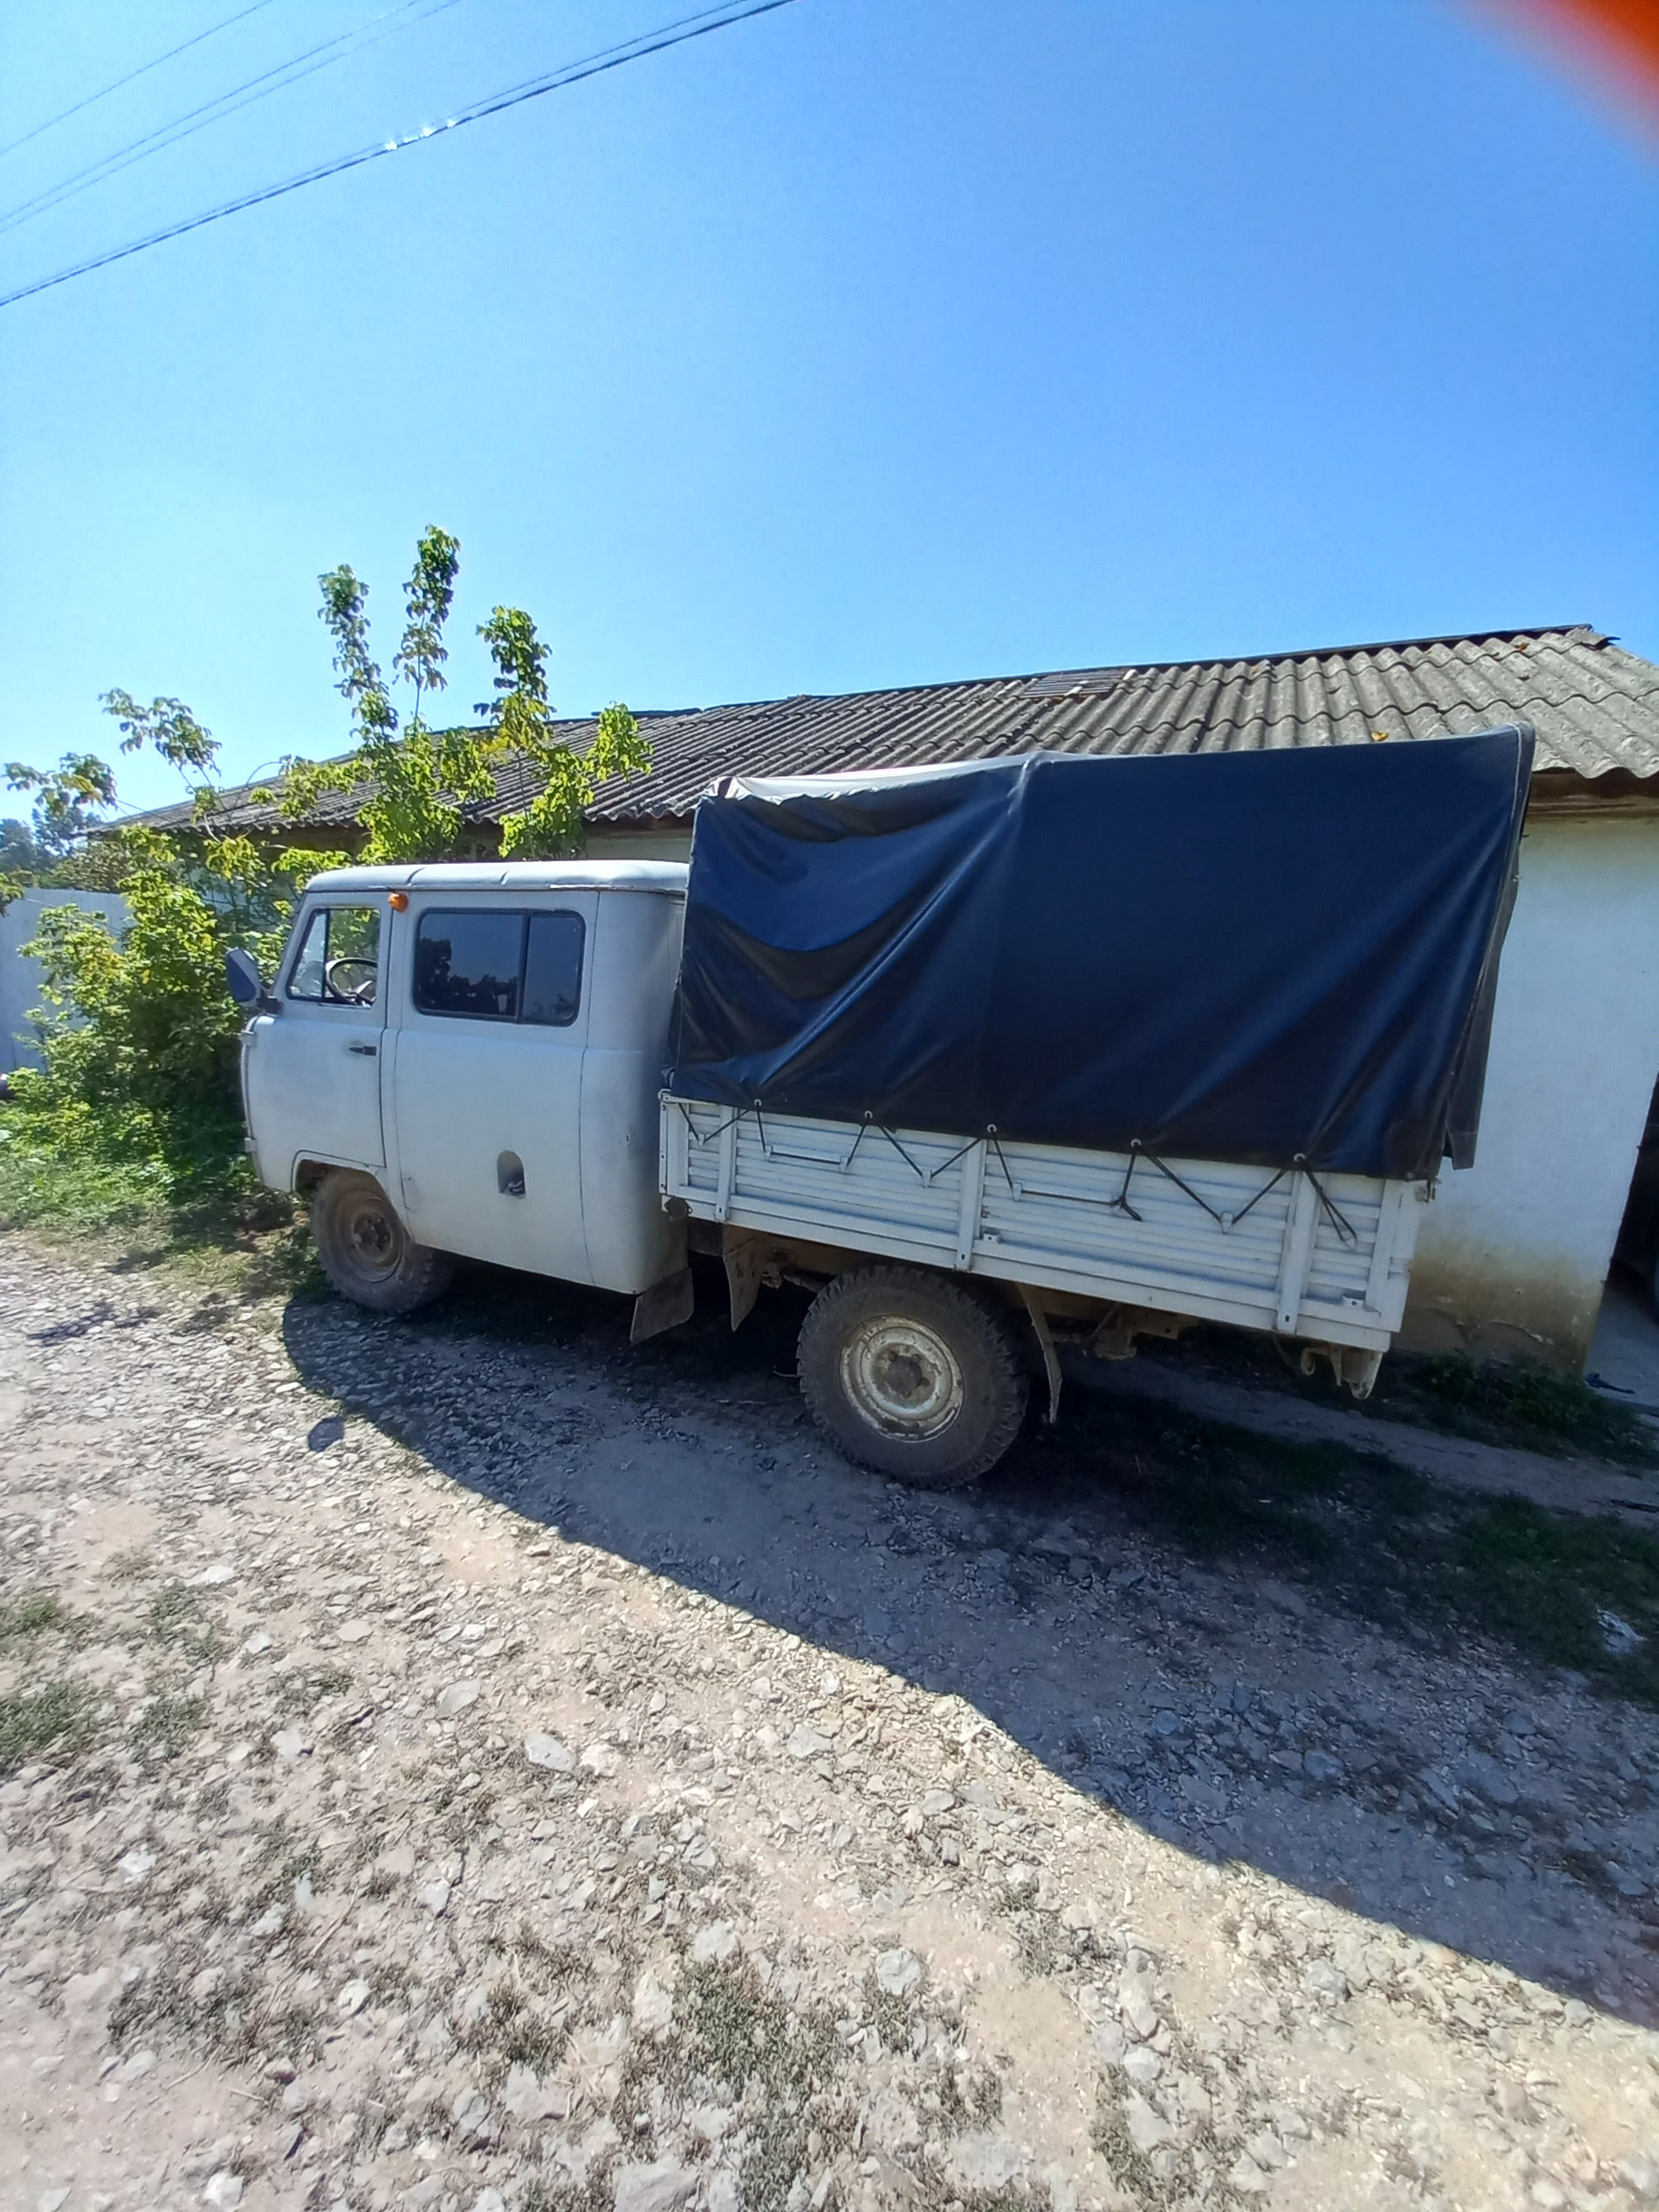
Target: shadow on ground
1299	1657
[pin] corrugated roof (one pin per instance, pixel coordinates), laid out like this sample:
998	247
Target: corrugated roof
1595	706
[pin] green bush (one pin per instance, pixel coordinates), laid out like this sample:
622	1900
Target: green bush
138	1028
134	1107
138	1033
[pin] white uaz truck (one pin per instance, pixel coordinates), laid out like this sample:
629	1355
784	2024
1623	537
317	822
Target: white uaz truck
1039	1050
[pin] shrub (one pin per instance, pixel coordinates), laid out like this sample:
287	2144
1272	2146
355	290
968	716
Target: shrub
138	1032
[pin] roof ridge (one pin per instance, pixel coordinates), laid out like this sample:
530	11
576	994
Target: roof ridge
1586	631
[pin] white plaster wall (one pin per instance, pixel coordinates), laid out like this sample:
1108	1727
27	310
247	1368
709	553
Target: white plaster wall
20	979
1513	1254
604	843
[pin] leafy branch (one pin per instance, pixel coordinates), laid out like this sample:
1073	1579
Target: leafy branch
418	782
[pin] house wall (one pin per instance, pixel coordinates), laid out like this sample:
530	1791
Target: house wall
606	844
1513	1254
19	978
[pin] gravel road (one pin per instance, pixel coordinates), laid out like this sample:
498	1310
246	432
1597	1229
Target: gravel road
469	1768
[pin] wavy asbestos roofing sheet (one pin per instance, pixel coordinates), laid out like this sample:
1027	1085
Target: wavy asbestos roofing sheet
1596	708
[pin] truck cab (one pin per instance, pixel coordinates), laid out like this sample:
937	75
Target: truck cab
464	1060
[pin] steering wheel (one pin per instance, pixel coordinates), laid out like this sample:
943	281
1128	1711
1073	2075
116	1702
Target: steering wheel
361	993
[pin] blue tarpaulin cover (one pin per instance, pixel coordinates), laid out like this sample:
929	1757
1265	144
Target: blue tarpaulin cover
1251	957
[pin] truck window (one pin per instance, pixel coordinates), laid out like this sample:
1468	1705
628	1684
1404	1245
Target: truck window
496	967
553	968
338	961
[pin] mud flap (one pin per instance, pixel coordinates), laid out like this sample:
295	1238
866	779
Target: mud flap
746	1262
1046	1346
665	1306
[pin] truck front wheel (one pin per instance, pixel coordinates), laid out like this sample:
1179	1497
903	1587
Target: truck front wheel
911	1374
367	1252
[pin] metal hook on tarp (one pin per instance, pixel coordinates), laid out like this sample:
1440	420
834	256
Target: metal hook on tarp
1120	1203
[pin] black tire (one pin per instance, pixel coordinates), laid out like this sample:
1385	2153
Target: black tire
911	1374
367	1252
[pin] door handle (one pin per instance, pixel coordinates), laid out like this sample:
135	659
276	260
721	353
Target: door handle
367	1051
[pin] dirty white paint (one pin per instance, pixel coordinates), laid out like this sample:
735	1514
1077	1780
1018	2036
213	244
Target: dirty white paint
19	978
1512	1257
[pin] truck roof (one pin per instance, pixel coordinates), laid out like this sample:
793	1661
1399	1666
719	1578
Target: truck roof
664	876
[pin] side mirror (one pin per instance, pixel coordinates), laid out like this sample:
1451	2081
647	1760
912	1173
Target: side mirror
243	978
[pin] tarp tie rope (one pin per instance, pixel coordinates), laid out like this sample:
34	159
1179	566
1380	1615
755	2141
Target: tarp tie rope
922	1172
995	1143
857	1141
1339	1221
932	1173
714	1134
1257	1201
1221	1220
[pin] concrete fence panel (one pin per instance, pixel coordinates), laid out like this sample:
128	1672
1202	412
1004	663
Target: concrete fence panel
20	977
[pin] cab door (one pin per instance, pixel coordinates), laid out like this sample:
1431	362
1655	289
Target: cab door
311	1070
486	1087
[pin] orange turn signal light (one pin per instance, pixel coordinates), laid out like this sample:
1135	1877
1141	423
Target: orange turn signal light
397	901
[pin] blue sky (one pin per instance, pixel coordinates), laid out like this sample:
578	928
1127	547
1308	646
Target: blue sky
874	342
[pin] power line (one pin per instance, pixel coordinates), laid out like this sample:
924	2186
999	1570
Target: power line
142	70
609	57
222	103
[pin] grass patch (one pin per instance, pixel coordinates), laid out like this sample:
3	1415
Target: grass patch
174	1616
736	2033
1373	1537
516	2029
167	1722
29	1613
200	1210
1131	2169
1547	1580
306	1689
56	1717
277	1861
1521	1402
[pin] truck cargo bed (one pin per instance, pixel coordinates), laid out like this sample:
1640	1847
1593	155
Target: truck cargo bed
1326	1258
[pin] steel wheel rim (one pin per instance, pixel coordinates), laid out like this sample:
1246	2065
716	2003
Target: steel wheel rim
903	1377
373	1237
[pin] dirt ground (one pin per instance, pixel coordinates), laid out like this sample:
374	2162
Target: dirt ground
458	1764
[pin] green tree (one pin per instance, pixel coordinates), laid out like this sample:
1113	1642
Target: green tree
69	799
138	1033
419	781
249	884
19	854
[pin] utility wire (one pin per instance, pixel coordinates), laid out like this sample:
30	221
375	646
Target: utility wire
222	103
610	57
142	70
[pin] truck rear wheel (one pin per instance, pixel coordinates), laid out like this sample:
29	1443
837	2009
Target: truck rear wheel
367	1252
911	1374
